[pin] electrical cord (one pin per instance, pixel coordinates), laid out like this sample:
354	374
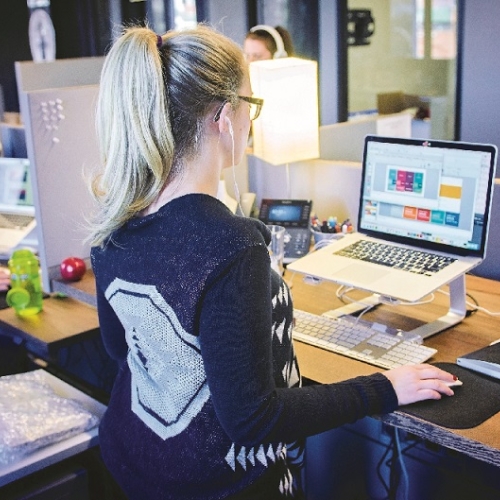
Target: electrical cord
473	303
378	469
369	307
474	307
383	300
402	464
393	459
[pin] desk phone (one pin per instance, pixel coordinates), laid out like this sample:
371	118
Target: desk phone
294	216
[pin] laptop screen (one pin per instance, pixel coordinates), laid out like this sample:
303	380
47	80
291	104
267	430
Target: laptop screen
433	193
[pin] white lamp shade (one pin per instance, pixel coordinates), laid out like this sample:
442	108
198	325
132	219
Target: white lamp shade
287	129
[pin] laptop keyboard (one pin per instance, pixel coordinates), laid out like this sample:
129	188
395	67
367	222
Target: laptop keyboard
405	259
14	221
359	340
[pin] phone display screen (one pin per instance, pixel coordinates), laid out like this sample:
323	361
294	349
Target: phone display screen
285	213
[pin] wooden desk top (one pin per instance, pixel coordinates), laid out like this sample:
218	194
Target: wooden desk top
60	322
478	330
63	320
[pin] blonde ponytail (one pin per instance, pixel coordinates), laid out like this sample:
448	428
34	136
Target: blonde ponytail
133	130
150	114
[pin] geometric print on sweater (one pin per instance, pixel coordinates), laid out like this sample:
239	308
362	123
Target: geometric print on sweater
282	334
293	453
169	386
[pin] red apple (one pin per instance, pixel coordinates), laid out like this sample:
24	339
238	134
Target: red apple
73	268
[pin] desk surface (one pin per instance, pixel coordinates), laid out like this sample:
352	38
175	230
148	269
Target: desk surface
478	330
67	318
60	322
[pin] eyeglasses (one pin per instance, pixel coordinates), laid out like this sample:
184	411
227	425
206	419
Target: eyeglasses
255	107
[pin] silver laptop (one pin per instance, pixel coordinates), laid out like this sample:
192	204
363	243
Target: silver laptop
428	202
17	213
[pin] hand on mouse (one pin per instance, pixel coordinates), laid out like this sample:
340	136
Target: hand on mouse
414	383
4	278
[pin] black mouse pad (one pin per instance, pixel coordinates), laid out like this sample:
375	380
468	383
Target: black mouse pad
474	402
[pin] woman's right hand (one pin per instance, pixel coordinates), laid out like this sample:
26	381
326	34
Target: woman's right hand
414	383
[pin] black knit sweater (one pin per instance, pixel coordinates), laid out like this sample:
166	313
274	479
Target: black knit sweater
208	396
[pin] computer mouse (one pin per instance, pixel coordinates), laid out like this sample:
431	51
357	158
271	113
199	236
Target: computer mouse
455	383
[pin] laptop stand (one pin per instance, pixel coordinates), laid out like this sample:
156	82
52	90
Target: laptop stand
456	312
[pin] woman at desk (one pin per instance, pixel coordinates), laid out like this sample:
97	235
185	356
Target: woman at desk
207	400
264	42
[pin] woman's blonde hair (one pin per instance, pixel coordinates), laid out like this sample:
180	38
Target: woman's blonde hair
154	95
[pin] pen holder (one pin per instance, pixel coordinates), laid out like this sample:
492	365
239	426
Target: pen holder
322	238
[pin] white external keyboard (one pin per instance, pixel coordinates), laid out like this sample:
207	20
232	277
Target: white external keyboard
359	340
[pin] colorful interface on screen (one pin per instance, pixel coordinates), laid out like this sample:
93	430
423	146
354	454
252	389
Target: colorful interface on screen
426	193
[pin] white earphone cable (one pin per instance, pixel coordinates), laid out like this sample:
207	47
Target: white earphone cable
235	184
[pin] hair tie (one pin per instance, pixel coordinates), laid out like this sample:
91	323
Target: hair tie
159	41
